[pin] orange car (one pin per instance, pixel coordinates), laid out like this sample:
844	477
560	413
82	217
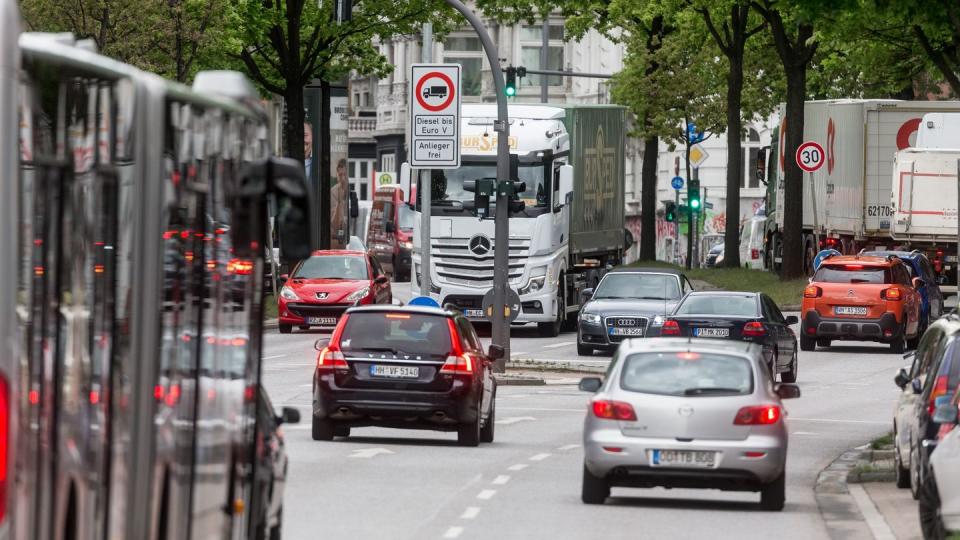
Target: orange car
862	299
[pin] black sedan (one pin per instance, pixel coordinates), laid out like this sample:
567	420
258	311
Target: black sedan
741	316
628	302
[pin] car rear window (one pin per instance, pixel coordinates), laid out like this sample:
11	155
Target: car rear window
852	273
687	373
399	333
726	304
333	267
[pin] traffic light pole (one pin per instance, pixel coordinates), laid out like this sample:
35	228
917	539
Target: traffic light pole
500	323
695	232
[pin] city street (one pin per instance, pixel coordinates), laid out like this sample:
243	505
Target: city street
417	484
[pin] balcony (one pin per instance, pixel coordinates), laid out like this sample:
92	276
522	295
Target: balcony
361	129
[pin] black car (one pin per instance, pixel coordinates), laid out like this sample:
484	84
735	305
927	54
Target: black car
628	302
920	267
741	316
405	367
712	255
934	374
271	469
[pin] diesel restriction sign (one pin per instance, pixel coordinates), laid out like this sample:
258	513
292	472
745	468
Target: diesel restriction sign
435	116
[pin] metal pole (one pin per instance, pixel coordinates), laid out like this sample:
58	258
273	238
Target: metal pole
958	238
676	226
426	210
323	170
558	73
501	326
813	200
545	58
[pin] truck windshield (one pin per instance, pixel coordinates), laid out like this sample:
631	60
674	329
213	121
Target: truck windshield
447	185
405	217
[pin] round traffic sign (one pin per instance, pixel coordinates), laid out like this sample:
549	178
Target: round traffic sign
810	156
512	309
445	92
425	301
677	182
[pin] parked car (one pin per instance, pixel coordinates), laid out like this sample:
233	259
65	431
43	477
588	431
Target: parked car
628	302
939	505
920	267
934	374
709	417
323	286
390	234
739	316
271	469
714	256
405	367
864	299
751	242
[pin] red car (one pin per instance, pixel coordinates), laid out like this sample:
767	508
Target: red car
323	286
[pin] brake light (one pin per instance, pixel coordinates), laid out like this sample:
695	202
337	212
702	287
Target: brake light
939	389
812	291
754	329
331	359
757	415
455	348
670	328
754	254
688	355
173	396
460	364
241	267
403	316
4	444
853	267
613	410
893	293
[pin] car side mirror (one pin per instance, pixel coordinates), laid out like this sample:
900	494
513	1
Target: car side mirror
390	227
321	344
788	391
284	278
354	205
918	283
945	413
289	415
587	294
590	384
901	379
916	386
792	319
495	352
566	183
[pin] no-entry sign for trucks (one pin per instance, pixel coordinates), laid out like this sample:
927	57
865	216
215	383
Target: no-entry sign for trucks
810	156
435	116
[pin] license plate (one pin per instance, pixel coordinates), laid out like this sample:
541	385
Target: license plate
473	313
951	258
849	310
626	331
395	372
322	321
684	458
711	332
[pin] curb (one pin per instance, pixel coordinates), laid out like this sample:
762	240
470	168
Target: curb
562	368
841	510
518	380
271	323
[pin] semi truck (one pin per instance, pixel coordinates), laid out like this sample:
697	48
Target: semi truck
566	227
846	203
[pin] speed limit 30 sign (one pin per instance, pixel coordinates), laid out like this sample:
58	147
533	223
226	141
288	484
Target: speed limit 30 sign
810	156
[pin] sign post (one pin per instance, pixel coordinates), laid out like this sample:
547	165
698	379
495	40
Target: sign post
810	157
435	116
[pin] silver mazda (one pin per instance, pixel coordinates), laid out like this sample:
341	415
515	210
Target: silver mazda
686	413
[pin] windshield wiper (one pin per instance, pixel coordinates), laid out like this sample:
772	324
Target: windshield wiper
710	390
650	297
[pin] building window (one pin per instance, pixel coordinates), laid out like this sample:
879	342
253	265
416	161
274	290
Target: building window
530	45
366	99
388	162
465	49
359	177
748	159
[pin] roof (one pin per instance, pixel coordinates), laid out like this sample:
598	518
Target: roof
390	308
325	252
698	344
857	259
645	270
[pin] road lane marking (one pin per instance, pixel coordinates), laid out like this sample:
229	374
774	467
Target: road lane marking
558	345
804	433
501	480
453	532
470	513
873	517
838	421
271	357
486	494
539	457
517	467
547	409
518	353
568	447
367	453
514	420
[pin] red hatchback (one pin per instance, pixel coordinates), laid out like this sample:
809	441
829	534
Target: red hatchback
323	286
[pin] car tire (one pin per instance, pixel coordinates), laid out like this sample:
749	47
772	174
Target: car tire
304	327
790	376
340	430
916	480
322	429
584	350
469	434
931	519
901	473
487	431
808	343
594	490
915	340
898	345
773	495
285	328
824	342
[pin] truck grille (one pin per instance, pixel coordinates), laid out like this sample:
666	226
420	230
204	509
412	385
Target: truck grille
457	264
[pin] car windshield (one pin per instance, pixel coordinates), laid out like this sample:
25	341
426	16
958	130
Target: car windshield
333	267
405	217
397	333
852	273
687	373
717	304
638	285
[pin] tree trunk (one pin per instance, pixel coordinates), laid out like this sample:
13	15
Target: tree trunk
293	128
793	249
648	199
731	235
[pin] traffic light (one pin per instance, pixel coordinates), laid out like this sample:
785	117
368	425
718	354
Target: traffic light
693	194
511	87
670	211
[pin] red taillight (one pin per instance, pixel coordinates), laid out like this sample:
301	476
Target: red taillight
241	267
945	430
331	359
613	410
757	415
893	293
670	328
812	291
939	389
94	397
460	364
249	393
753	329
4	444
754	254
455	348
853	267
173	396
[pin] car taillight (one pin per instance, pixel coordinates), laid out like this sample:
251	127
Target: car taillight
757	415
754	329
455	348
945	430
939	389
613	410
754	254
812	291
331	359
670	328
4	444
893	293
460	364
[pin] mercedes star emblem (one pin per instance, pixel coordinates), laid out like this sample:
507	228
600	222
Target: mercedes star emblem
479	244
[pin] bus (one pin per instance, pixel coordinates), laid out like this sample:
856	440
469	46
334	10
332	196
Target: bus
134	222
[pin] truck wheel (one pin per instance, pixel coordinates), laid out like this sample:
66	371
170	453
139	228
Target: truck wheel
552	329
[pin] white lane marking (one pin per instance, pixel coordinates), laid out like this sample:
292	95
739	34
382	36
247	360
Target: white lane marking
453	532
568	447
501	480
873	517
367	453
838	421
512	354
517	467
539	457
470	513
804	433
271	357
546	409
486	494
558	345
514	420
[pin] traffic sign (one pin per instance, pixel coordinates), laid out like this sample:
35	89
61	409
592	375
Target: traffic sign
511	310
435	116
698	155
708	205
677	182
386	178
424	301
810	156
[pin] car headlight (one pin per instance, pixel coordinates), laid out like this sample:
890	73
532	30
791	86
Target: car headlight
406	245
288	293
590	318
358	294
657	321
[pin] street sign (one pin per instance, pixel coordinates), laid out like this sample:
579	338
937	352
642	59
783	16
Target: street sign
435	116
810	156
708	205
693	135
698	155
677	182
512	310
386	178
425	301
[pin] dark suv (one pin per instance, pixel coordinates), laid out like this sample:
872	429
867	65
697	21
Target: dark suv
919	266
405	367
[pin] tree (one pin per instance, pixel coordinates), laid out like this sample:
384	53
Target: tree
936	27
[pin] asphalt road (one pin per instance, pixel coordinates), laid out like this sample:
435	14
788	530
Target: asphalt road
394	484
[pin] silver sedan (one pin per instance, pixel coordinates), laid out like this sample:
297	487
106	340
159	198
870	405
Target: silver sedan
686	413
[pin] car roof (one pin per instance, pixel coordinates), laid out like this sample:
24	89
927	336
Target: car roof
645	270
699	344
865	260
328	252
723	293
909	255
390	308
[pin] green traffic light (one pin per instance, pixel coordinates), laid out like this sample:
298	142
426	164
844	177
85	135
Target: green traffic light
510	91
695	203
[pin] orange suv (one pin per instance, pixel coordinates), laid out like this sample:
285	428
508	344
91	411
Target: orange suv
862	299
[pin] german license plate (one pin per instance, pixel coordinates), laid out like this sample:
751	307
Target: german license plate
395	372
473	313
322	321
684	458
711	332
849	310
626	331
